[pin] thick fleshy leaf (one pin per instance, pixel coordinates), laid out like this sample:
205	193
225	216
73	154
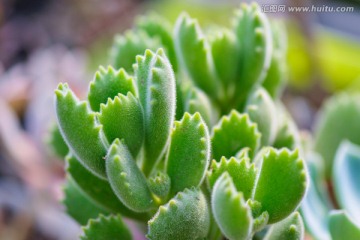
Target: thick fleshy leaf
291	228
276	75
123	118
160	184
230	210
315	207
156	83
254	41
262	110
127	46
346	178
57	142
106	227
342	227
194	53
330	129
232	133
108	83
158	27
186	216
80	131
78	205
241	171
189	153
224	50
281	183
126	179
96	189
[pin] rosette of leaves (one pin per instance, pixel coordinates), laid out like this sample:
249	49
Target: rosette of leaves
335	214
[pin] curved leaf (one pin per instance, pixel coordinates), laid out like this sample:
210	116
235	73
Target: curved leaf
291	228
123	118
106	227
346	178
189	153
242	173
342	227
233	133
156	83
230	210
281	183
108	83
160	184
80	131
186	216
126	179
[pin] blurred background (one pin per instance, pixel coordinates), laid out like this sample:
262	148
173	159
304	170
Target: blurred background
44	42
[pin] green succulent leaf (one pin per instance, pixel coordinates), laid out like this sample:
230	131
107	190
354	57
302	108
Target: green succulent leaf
262	111
260	222
254	41
342	227
281	183
346	178
123	118
108	83
158	27
186	216
156	83
77	204
194	53
330	129
241	171
291	228
160	184
189	153
276	74
232	133
230	210
80	131
57	142
126	179
127	46
106	227
96	189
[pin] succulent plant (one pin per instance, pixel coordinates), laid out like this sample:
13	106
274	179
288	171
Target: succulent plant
334	164
140	145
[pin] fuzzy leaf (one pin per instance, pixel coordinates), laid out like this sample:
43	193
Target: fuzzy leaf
262	111
346	178
160	184
189	153
281	183
186	216
98	190
123	118
230	210
156	83
254	41
233	133
106	227
80	131
224	49
242	173
330	129
158	27
126	179
291	228
78	205
276	74
108	83
127	46
194	52
342	227
57	142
